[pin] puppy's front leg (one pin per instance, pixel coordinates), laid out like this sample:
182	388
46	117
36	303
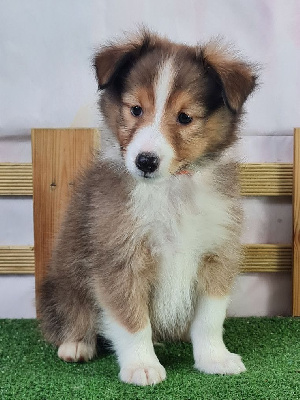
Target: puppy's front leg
210	353
139	364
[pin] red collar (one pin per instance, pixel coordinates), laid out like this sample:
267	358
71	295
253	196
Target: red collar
184	172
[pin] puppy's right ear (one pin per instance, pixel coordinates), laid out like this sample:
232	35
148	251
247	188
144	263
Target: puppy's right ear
113	62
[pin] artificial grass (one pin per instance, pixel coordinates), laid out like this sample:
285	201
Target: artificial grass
270	347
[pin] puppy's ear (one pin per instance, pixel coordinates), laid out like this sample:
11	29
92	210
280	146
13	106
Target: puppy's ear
237	78
113	62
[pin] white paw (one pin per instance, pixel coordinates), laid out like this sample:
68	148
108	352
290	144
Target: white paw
76	352
226	363
143	375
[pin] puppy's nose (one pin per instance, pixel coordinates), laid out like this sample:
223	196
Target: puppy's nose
147	162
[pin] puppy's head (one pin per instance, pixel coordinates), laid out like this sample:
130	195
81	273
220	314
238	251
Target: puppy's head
170	106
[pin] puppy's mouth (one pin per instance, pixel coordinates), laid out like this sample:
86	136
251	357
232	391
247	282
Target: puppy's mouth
148	175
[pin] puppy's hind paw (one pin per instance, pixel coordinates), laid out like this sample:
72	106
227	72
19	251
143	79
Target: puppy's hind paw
76	352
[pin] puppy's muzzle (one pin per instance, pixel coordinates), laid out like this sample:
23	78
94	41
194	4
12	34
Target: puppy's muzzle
147	162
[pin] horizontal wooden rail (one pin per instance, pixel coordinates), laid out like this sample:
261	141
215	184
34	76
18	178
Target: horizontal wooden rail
16	260
267	258
15	179
268	179
258	258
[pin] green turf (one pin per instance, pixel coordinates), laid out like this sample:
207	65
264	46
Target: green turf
30	369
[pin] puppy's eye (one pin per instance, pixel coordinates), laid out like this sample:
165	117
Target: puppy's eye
136	111
184	118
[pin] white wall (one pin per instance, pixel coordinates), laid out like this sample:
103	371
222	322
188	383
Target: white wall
46	80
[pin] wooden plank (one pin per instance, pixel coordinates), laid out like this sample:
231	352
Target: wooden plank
296	219
258	258
267	258
16	260
57	157
16	179
269	179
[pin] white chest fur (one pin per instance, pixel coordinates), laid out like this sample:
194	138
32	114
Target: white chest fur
185	218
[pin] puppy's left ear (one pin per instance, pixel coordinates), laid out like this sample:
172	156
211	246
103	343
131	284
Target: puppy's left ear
237	78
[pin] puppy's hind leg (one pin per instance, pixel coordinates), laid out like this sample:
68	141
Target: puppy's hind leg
79	351
79	344
68	320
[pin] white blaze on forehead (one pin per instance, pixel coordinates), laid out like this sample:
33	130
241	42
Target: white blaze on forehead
150	138
163	87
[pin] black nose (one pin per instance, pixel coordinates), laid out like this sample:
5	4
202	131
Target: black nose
147	162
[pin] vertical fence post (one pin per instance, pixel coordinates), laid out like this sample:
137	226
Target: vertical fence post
57	157
296	219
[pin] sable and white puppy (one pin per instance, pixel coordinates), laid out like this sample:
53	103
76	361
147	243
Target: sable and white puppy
150	245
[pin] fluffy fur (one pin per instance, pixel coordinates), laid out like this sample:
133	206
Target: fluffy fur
149	247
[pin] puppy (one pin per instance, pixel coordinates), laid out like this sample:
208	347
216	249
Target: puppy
149	247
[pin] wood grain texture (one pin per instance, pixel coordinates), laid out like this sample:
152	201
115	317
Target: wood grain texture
16	179
269	179
258	258
16	260
58	156
267	258
296	219
266	179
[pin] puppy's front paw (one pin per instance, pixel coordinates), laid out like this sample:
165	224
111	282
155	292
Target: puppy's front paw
76	351
143	375
225	363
